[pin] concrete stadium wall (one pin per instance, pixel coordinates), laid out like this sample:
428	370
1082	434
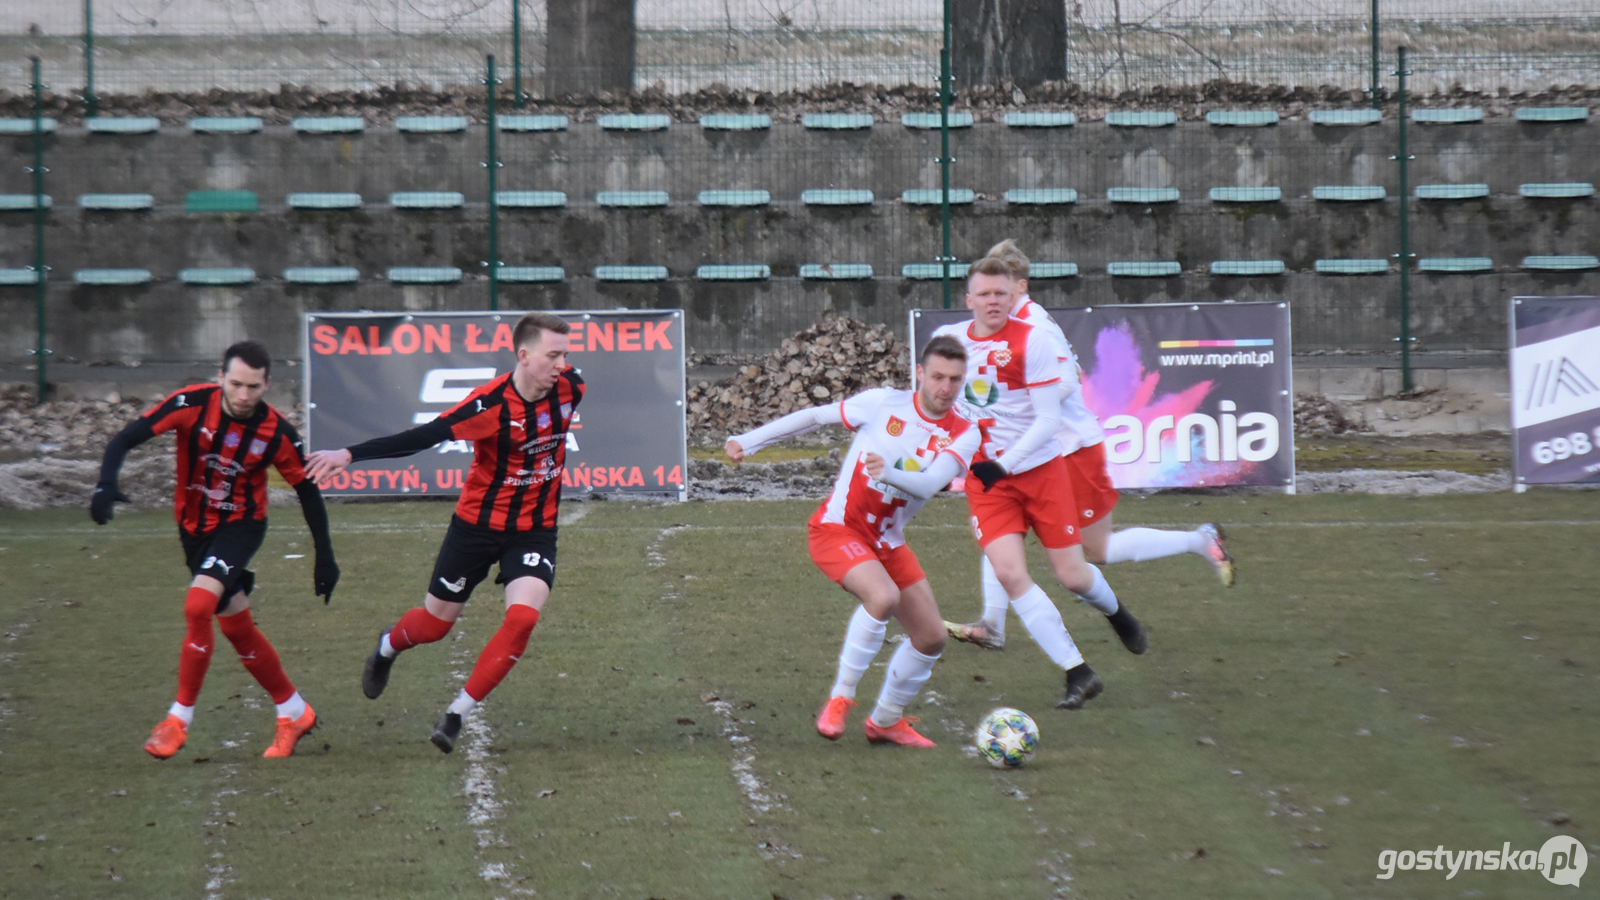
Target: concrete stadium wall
170	321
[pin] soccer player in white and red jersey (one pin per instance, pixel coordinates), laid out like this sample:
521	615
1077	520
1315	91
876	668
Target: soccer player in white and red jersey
1014	390
227	439
506	514
1083	448
907	447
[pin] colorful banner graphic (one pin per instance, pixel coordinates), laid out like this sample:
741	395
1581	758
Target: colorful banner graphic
1555	390
371	374
1190	395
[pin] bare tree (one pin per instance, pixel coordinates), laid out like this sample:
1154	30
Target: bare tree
1023	42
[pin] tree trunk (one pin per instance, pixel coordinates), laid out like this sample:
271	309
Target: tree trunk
1021	41
590	49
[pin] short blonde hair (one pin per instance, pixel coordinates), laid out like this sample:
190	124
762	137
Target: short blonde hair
1013	256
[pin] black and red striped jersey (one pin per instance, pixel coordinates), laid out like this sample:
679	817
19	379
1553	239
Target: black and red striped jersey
519	450
222	461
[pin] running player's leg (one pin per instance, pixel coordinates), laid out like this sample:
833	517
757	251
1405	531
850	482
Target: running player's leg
909	667
295	717
847	560
1091	485
465	556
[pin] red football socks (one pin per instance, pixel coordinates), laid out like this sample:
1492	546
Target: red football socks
257	654
417	626
503	651
199	605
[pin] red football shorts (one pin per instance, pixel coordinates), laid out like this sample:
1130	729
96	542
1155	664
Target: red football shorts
1040	499
1092	492
837	549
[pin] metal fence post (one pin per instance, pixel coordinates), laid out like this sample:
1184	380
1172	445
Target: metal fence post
493	165
40	270
1403	157
945	259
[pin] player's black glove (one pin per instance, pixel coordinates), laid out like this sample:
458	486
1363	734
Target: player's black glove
100	507
989	472
324	576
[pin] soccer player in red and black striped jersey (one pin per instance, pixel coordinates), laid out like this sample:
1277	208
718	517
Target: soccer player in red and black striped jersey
507	512
227	437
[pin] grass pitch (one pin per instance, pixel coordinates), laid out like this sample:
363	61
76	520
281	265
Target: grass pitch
1390	673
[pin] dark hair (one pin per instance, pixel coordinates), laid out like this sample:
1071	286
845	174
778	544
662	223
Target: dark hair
989	265
252	354
1009	251
530	326
943	345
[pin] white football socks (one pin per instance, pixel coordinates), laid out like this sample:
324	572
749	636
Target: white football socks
1100	595
909	669
1044	625
292	708
862	641
995	602
463	705
1142	544
186	713
385	648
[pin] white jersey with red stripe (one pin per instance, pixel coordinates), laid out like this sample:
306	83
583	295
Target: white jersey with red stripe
1079	427
890	423
1001	371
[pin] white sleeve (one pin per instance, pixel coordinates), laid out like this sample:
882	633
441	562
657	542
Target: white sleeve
1046	422
926	483
801	421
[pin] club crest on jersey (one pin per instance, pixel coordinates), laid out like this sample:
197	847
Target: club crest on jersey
258	447
232	440
941	442
544	421
896	426
1001	357
982	390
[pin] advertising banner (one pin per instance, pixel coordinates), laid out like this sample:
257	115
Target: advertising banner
372	374
1190	395
1555	390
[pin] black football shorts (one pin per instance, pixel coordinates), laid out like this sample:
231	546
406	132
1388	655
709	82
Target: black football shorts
223	553
469	550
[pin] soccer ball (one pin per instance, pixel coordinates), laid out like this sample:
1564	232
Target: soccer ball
1007	738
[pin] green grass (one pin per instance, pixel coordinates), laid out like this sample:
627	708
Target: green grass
1390	673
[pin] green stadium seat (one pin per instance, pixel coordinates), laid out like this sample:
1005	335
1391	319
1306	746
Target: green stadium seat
427	200
1552	114
225	124
25	126
631	122
328	124
1451	191
1464	116
934	196
222	202
630	273
23	275
219	276
631	198
1041	119
932	271
1241	118
322	275
116	201
735	198
1040	271
733	273
1142	195
531	199
1580	263
1246	194
833	197
837	121
1457	265
430	124
836	271
111	277
735	122
122	125
1557	191
1247	268
1153	268
1352	266
1041	196
423	274
531	123
11	202
1345	116
926	121
1349	193
323	200
1141	119
532	274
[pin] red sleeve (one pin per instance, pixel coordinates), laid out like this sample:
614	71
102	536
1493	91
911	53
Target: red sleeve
477	416
181	408
290	458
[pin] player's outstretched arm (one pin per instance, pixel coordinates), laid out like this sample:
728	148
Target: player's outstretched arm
923	484
106	495
325	573
322	463
801	421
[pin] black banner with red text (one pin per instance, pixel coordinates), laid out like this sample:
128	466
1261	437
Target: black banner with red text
372	374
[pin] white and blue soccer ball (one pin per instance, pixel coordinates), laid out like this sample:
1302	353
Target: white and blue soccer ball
1007	738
